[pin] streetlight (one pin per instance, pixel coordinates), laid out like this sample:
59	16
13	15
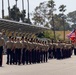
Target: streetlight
2	8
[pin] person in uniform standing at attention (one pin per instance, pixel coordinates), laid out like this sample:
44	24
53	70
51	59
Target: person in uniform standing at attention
2	43
74	48
27	51
24	46
46	51
18	47
58	50
9	45
13	50
33	51
50	50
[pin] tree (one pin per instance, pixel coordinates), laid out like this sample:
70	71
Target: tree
72	17
23	15
51	6
62	10
2	8
43	14
59	23
73	26
46	34
40	14
6	17
15	13
9	9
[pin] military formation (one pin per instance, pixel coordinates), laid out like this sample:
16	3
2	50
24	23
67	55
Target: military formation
21	50
26	51
60	50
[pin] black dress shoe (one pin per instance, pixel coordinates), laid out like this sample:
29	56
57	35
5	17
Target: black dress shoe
7	63
0	65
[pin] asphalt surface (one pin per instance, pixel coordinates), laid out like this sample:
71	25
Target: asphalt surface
52	67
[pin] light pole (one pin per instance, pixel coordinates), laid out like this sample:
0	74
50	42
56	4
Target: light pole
2	8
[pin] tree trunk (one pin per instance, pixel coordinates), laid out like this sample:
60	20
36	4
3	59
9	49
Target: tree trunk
9	9
64	28
53	27
2	8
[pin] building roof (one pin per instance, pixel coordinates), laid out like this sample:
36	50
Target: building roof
20	27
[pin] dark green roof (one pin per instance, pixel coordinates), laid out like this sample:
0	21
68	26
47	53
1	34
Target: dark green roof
20	27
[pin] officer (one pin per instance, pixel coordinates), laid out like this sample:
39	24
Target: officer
41	51
50	50
27	51
46	51
24	46
54	49
58	51
37	52
2	43
34	51
13	50
69	49
63	45
9	45
18	47
74	48
30	50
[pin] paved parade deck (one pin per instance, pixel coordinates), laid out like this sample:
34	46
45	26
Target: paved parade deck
53	67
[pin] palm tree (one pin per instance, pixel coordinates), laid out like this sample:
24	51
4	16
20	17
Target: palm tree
16	2
62	10
15	13
51	5
23	10
2	8
22	4
9	8
28	10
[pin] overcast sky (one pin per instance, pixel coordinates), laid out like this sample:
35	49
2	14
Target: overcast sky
70	5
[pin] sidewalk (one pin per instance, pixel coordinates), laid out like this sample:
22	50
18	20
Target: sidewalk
53	67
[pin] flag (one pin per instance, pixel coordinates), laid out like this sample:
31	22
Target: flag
71	34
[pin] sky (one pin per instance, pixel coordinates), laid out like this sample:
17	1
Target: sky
70	5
